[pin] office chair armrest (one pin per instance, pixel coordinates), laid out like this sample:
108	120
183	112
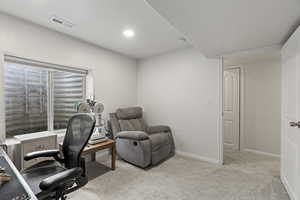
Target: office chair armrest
61	178
158	129
46	153
133	135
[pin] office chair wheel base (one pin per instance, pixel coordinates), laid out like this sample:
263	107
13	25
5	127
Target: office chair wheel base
61	197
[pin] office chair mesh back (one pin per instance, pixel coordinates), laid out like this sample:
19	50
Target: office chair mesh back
79	131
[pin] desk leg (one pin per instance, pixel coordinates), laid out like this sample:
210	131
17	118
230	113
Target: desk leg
113	157
93	157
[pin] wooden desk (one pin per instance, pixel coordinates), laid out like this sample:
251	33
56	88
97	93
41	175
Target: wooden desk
93	148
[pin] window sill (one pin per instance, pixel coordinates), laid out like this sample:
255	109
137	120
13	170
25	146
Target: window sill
30	136
59	133
11	141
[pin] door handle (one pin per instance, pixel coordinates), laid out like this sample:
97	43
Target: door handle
295	124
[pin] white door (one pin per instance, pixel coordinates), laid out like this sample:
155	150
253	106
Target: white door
232	108
290	131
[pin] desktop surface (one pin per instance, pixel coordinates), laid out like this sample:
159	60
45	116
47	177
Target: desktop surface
16	188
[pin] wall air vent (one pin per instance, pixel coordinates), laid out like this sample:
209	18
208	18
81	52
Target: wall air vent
61	21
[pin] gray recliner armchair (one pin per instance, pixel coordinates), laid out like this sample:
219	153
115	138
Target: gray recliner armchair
138	143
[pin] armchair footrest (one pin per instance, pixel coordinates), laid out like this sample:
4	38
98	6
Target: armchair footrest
133	135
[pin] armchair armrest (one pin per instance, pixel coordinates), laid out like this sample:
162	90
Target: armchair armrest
158	129
133	135
46	153
60	178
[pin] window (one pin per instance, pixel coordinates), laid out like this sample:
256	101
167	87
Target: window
40	96
68	90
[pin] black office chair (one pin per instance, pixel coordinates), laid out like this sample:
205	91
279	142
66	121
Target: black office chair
54	179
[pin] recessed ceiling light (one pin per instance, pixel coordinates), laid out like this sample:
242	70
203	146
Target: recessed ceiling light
129	33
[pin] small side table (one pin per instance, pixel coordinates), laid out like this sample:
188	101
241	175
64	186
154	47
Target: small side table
93	148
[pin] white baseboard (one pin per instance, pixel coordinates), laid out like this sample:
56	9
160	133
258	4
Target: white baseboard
288	188
197	157
262	153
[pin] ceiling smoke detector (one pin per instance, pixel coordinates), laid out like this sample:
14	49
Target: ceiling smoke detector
182	39
61	21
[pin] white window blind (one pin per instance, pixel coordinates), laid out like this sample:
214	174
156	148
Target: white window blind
68	89
40	96
25	99
45	65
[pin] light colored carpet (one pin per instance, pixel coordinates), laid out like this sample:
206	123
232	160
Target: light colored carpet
245	176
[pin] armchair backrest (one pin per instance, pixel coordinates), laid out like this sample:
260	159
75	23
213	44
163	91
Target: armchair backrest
79	130
128	119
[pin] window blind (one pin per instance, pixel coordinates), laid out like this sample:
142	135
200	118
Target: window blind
40	96
25	99
50	66
68	90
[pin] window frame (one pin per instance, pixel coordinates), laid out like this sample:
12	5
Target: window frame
50	68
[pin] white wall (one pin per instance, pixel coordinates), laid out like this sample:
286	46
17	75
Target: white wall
182	89
262	90
114	74
261	108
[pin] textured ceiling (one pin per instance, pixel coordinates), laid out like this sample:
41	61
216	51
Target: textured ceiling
221	27
102	22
